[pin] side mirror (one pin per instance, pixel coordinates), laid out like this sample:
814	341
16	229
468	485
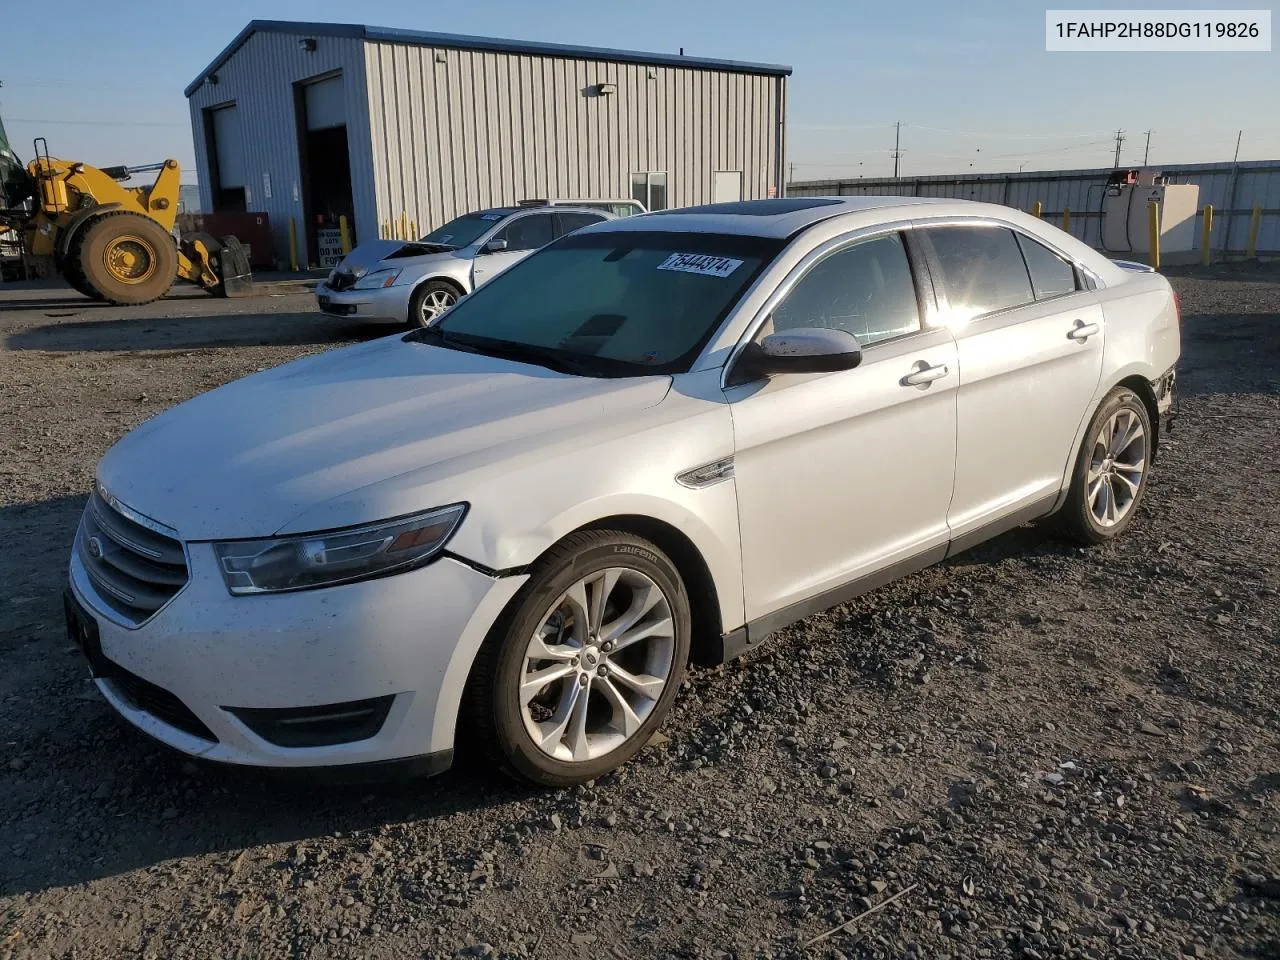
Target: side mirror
496	245
803	350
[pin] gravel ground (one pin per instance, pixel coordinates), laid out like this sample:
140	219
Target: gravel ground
1030	751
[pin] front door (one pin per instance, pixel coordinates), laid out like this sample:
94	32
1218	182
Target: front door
843	475
524	234
1030	347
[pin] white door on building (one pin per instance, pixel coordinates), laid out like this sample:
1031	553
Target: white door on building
728	186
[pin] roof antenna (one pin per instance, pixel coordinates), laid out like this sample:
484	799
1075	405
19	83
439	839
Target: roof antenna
682	51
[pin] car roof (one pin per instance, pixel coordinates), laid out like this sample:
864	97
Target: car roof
559	208
763	218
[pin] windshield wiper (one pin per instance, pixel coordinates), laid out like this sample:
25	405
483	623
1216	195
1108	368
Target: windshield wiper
547	357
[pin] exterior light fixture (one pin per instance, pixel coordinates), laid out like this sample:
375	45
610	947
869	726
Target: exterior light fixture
308	44
605	89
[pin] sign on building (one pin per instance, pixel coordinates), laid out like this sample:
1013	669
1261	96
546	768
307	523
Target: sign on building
329	246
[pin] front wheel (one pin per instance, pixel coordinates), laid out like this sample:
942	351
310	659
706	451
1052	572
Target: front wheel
1111	471
575	678
430	300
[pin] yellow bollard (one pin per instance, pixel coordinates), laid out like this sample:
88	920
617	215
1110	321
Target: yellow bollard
1255	224
413	230
382	230
1035	211
1153	227
1066	220
404	226
345	232
293	245
1206	233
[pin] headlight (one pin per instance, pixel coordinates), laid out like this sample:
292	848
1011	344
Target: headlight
336	556
330	278
377	280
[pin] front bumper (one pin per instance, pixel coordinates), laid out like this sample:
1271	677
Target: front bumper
385	305
405	642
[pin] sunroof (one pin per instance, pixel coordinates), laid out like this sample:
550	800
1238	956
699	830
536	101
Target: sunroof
758	208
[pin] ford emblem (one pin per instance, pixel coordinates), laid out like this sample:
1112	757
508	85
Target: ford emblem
95	548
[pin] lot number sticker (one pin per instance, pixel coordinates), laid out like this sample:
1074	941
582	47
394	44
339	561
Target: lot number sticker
700	263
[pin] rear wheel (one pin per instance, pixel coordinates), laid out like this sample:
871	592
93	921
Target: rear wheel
1111	471
573	681
430	300
127	258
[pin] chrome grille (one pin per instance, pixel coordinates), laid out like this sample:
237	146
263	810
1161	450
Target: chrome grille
136	570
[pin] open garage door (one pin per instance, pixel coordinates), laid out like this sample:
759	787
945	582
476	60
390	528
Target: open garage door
325	165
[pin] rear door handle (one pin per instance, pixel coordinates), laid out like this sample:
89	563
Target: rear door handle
925	375
1082	331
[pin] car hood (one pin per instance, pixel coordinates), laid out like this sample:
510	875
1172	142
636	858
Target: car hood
248	458
371	253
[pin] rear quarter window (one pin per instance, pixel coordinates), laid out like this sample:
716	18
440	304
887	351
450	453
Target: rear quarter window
1051	276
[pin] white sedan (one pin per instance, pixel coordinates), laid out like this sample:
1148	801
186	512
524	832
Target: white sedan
657	440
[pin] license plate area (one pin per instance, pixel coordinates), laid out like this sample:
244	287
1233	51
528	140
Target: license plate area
82	630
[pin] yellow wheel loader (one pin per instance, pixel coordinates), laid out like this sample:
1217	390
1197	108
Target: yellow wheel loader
109	241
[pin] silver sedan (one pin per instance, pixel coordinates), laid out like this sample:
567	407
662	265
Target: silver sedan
397	281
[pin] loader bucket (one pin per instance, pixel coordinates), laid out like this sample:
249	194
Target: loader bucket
237	275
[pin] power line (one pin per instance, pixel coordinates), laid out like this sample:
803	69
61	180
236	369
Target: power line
100	123
1008	136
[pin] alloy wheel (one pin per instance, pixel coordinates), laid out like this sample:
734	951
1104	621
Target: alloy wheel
597	665
435	303
1116	467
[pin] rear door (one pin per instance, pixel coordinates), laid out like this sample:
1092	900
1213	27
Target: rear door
1029	340
524	234
569	221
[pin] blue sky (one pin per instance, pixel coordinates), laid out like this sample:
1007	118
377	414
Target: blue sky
971	82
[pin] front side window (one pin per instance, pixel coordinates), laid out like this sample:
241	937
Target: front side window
866	290
609	304
650	189
569	222
529	232
1051	276
982	269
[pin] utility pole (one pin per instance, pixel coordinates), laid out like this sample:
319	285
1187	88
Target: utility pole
897	144
1236	158
791	176
1146	154
1119	140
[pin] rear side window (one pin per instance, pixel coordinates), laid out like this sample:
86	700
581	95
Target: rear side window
866	290
1051	276
982	268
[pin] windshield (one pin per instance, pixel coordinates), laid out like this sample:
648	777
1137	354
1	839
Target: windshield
463	231
612	303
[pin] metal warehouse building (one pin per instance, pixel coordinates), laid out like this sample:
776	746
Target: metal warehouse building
311	121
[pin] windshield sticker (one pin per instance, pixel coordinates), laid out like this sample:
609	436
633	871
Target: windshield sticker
493	216
700	263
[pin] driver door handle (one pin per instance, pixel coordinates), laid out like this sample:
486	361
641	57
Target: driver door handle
1082	331
924	375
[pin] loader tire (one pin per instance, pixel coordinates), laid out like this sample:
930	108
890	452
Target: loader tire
126	258
72	273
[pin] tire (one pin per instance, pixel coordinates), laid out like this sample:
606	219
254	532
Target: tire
1104	499
430	300
545	606
72	273
126	258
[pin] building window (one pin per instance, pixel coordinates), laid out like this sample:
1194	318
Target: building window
650	189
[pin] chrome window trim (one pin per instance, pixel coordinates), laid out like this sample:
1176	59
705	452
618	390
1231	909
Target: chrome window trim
140	519
928	322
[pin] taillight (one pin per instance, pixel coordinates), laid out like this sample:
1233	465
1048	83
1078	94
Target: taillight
1177	306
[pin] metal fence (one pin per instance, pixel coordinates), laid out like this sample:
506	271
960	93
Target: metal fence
1233	189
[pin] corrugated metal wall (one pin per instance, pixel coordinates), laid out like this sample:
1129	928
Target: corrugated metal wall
1233	190
259	79
456	130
